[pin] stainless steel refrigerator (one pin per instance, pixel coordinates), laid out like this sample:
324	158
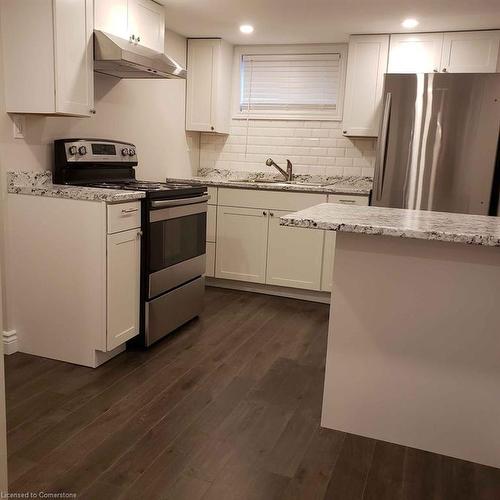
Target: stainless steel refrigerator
438	147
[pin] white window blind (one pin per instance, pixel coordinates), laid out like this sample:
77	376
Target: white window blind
288	84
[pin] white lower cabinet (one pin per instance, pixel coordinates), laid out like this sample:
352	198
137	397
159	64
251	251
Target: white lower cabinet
211	232
78	301
211	222
241	244
329	245
210	256
252	246
123	274
293	255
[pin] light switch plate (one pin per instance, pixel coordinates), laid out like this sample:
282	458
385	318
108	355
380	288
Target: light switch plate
19	126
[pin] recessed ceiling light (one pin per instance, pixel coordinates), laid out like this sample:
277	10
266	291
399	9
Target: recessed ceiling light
409	23
246	28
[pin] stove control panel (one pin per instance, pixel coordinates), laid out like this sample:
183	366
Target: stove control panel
99	151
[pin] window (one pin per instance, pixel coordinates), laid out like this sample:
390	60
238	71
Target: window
294	84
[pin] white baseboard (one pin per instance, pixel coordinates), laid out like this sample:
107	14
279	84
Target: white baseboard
280	291
10	342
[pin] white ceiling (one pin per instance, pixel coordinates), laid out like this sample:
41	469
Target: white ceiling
317	21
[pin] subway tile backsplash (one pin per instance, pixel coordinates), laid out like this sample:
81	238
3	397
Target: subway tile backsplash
314	147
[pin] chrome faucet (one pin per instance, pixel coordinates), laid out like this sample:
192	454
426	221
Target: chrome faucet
288	175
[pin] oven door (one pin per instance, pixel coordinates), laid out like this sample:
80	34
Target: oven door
175	243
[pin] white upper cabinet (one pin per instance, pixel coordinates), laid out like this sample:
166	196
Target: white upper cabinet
146	20
455	52
48	56
208	102
415	53
470	52
140	21
111	16
366	66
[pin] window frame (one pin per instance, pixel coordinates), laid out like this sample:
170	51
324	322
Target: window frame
333	48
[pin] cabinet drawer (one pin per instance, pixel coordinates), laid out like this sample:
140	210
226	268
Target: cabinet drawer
211	222
124	216
212	192
348	199
278	200
210	268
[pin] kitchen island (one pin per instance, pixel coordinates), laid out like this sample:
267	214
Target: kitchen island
413	353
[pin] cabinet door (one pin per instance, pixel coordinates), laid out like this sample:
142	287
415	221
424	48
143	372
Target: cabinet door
210	267
211	222
416	53
73	51
241	245
111	17
470	52
294	255
329	246
202	61
366	66
123	282
146	20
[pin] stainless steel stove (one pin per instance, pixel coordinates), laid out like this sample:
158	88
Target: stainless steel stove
174	219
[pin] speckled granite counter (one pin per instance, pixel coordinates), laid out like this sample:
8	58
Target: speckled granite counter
40	184
257	180
418	224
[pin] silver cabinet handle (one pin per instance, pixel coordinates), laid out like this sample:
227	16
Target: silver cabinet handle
129	210
132	38
139	234
264	212
138	39
347	202
271	214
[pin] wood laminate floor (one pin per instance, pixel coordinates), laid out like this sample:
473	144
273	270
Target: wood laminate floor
227	408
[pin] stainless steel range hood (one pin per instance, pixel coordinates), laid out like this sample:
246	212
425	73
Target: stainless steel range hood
118	57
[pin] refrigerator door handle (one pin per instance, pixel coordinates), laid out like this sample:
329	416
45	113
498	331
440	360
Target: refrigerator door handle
382	150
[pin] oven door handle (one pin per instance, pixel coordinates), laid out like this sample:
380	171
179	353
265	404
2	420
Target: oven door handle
179	202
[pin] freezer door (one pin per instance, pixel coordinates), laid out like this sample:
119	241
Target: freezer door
438	143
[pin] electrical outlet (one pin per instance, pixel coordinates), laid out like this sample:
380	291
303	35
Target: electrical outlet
19	126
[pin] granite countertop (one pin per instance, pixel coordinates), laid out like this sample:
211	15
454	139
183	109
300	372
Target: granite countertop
401	223
256	180
40	184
